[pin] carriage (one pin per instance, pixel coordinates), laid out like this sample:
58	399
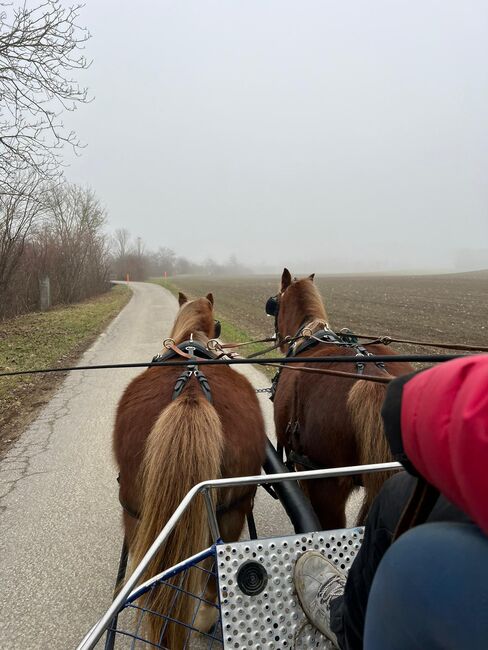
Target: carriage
256	603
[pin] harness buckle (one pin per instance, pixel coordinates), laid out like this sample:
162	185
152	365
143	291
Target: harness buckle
214	345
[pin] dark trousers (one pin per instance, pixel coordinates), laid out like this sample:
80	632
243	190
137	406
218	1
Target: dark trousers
430	591
348	612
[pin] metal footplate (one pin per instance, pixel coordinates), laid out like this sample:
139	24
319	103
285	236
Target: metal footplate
259	606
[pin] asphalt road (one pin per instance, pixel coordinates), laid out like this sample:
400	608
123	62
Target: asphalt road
60	525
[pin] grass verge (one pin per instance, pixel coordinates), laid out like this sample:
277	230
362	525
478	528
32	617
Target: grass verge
46	339
230	331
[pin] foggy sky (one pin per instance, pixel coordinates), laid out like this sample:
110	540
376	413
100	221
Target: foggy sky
322	135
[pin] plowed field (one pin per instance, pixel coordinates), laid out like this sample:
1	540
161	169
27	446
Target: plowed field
446	308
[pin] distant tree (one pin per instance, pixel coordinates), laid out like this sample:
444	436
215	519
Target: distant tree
40	49
182	266
166	260
234	267
120	242
210	266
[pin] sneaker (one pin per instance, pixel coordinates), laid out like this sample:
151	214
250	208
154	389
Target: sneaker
317	583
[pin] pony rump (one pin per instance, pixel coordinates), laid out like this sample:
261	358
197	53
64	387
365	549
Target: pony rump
184	447
364	402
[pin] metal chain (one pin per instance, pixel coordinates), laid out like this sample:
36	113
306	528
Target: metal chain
263	390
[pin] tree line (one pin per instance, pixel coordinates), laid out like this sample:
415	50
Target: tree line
56	232
130	257
48	226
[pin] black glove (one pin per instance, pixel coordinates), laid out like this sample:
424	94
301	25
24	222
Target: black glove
391	413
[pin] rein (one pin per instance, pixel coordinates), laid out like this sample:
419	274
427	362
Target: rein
386	340
215	345
265	361
335	373
224	346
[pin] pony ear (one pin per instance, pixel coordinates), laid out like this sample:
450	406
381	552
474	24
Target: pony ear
210	298
182	299
311	277
285	279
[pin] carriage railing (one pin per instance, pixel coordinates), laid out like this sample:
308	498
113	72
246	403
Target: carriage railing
129	588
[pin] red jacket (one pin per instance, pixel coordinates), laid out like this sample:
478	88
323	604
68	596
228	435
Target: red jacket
444	424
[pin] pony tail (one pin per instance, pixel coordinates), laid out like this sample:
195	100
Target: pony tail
364	402
184	448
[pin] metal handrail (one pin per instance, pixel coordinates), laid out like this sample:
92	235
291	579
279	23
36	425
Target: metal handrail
97	631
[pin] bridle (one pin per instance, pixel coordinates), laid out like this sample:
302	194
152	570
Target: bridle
273	309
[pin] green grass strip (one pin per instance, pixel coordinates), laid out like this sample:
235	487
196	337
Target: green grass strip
46	339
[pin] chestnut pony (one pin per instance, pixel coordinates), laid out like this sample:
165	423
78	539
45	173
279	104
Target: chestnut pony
164	447
333	421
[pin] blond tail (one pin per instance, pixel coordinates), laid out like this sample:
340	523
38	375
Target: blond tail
364	402
183	448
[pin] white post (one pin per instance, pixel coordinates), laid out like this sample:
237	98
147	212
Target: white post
45	293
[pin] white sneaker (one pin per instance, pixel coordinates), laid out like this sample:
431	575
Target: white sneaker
317	583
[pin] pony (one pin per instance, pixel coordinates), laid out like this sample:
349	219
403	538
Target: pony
324	420
164	446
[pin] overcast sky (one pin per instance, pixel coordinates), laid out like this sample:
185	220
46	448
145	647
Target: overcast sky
321	135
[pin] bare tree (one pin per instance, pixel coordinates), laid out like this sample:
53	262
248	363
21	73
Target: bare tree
20	210
40	50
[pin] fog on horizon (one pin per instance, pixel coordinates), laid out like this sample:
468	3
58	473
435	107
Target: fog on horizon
324	136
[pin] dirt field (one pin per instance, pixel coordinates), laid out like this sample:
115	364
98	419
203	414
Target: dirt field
449	308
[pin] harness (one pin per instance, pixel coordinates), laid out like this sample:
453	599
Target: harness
191	350
345	338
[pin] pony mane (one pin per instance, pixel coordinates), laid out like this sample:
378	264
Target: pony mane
308	299
194	317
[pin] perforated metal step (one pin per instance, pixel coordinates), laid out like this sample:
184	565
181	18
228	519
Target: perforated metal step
259	605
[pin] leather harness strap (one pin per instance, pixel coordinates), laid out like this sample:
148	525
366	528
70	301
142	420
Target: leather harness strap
193	347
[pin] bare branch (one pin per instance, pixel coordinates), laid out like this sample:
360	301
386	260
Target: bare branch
41	50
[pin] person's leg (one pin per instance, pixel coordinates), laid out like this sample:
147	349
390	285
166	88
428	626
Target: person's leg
348	613
345	614
430	591
341	617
